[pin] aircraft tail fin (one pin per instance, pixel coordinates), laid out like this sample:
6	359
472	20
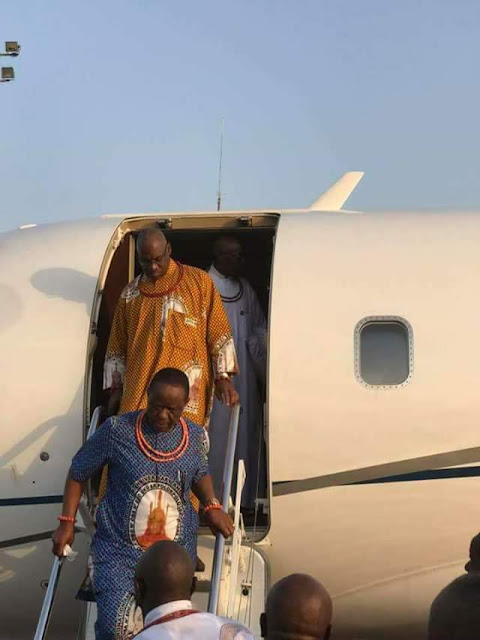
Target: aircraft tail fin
335	196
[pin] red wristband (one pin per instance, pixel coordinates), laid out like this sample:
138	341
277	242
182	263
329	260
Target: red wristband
66	519
209	507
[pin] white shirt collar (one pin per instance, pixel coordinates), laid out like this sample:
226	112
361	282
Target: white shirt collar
214	272
166	609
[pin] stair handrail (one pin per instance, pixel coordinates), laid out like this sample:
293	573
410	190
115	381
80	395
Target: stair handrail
85	512
235	549
96	415
94	420
44	617
227	484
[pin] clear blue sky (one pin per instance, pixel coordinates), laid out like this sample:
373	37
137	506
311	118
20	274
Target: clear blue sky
117	103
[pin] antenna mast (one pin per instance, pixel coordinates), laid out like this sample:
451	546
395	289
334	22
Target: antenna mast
219	192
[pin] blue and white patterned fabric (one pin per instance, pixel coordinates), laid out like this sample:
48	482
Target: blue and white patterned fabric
145	501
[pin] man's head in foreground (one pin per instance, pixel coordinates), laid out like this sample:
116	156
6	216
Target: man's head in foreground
298	608
474	562
165	573
455	612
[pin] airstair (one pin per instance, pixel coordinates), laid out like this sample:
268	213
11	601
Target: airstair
234	582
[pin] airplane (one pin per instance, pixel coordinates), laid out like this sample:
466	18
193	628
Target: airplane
371	410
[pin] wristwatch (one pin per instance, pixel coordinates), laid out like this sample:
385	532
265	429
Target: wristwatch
212	503
222	376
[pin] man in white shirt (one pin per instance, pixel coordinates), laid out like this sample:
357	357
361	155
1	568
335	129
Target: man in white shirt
164	583
249	330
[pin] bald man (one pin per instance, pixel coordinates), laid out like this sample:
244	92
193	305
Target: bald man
169	316
164	583
455	612
298	608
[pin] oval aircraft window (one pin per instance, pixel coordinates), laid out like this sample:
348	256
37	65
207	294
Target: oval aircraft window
383	351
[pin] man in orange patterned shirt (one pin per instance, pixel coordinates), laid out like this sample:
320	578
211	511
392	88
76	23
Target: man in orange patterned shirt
169	316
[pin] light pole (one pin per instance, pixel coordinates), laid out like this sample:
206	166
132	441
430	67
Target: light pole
12	49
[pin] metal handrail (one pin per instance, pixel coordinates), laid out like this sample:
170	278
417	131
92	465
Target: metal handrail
94	420
88	523
235	549
85	512
227	484
44	617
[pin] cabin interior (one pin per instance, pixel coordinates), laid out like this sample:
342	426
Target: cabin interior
192	239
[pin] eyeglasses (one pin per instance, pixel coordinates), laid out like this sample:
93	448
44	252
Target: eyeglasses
159	260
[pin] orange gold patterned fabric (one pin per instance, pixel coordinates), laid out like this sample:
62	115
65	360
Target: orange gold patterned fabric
186	328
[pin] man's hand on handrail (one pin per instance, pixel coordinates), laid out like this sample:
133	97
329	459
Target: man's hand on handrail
63	535
65	532
215	517
226	392
219	522
114	400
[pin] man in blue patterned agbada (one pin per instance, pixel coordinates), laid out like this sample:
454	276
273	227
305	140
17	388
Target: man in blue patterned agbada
155	459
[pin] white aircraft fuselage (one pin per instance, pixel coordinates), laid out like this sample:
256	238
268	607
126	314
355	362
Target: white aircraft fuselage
372	483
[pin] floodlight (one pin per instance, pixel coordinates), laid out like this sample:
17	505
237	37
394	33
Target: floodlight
12	48
7	74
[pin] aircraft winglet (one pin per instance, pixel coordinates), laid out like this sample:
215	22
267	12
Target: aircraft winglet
335	196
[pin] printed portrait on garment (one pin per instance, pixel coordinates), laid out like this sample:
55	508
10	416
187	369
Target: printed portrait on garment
155	515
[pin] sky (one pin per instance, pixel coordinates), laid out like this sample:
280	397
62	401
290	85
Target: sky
116	106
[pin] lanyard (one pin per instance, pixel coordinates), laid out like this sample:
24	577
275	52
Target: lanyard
181	613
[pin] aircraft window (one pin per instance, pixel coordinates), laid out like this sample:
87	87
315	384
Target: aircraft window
383	351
